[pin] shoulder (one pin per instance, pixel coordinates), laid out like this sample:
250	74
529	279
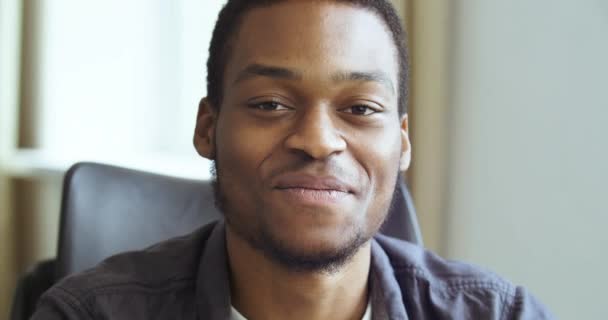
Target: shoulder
163	264
407	258
167	269
430	283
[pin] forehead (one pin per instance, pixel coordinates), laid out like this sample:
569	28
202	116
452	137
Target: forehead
322	37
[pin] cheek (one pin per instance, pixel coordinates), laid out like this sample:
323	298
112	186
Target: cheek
379	156
390	154
241	151
237	156
379	153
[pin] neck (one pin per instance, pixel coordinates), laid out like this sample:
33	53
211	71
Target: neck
262	289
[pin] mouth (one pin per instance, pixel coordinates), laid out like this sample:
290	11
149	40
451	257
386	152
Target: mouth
313	190
314	197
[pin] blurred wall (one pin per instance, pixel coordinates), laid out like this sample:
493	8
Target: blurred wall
528	147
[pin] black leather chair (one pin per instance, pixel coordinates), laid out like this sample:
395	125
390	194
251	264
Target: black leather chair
106	210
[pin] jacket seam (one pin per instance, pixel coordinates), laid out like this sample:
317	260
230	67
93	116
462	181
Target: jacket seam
134	287
503	312
509	306
377	289
127	289
449	286
75	303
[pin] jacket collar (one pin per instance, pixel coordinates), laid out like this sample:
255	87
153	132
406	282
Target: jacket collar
213	281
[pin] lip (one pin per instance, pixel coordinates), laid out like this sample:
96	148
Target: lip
313	196
313	183
313	190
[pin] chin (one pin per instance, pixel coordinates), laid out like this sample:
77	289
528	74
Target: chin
311	257
322	248
314	238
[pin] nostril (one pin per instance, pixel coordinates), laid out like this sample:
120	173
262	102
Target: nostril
317	146
315	134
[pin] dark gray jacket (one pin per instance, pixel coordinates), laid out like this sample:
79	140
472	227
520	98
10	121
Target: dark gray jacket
187	278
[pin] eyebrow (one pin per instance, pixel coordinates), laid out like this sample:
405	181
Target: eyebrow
260	70
373	76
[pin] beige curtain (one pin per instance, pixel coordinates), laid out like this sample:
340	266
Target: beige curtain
10	35
428	24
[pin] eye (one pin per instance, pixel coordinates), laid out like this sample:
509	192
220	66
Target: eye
360	110
269	106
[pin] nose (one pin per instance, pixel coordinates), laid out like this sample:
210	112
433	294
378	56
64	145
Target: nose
315	134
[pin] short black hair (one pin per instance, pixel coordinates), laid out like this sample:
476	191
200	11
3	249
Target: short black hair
231	16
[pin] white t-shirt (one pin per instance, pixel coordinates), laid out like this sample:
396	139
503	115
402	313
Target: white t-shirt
235	315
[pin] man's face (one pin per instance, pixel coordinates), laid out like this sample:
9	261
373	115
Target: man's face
308	141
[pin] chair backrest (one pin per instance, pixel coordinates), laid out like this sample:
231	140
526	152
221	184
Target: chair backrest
106	210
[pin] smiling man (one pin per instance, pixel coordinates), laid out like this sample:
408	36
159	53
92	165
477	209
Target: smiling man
306	122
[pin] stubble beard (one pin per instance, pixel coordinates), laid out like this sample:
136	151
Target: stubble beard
261	238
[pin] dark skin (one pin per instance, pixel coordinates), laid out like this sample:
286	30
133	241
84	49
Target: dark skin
308	145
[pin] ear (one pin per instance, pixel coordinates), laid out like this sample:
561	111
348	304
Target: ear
204	131
406	147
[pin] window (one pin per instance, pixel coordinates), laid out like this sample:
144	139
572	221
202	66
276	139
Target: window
119	82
